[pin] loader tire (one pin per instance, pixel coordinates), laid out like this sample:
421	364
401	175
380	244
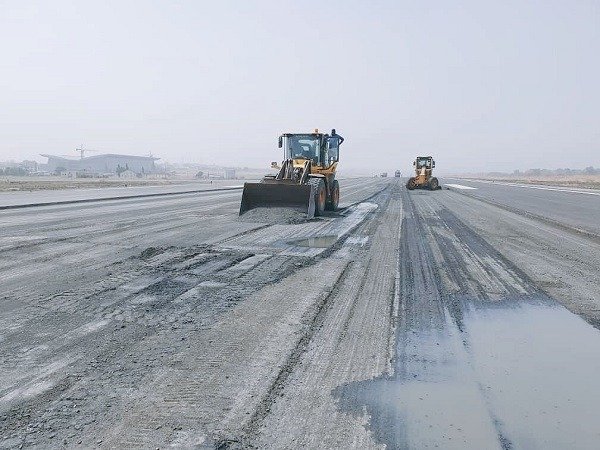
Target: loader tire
320	195
434	184
334	199
411	184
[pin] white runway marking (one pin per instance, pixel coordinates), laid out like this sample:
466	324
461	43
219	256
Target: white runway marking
540	187
544	188
459	186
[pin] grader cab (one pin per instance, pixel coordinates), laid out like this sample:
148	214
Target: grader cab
423	178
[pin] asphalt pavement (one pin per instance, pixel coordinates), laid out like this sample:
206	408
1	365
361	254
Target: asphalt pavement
16	199
466	317
574	207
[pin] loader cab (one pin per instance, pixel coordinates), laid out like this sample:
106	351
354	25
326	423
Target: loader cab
301	146
322	149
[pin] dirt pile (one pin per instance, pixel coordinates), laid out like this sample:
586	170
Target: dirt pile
276	215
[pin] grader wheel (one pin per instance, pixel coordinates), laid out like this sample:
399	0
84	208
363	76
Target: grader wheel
433	183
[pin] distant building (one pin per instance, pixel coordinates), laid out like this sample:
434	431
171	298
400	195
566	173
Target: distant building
128	174
230	174
100	164
30	166
68	173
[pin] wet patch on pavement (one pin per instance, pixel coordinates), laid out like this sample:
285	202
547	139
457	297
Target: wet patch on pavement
316	241
307	239
483	358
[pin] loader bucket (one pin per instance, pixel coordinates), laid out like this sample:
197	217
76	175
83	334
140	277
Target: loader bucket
278	195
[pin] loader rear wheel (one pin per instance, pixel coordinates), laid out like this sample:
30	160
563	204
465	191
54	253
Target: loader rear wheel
433	183
411	184
334	200
320	195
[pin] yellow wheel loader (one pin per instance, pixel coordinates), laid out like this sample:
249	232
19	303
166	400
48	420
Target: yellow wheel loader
423	174
306	178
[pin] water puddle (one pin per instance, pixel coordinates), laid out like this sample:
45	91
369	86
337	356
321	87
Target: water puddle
515	375
316	241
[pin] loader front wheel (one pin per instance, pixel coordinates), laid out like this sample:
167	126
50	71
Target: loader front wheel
320	195
411	184
334	200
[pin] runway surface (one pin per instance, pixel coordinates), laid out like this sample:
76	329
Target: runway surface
460	318
575	207
16	199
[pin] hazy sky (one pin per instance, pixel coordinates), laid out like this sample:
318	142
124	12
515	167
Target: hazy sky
480	85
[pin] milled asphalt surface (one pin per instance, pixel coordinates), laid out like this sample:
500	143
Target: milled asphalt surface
484	357
406	320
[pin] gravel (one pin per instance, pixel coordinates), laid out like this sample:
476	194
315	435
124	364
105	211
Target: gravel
274	216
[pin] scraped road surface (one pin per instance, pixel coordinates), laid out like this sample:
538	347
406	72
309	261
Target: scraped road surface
406	320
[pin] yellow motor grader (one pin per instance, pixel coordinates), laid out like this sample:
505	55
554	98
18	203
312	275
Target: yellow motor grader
305	179
423	174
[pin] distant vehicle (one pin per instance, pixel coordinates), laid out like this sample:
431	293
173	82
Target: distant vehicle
423	174
397	174
383	175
